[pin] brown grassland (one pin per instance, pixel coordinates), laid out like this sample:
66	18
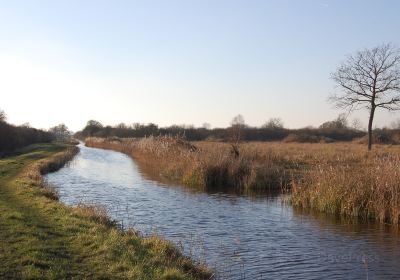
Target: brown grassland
337	178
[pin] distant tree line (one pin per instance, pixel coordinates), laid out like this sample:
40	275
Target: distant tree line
13	137
272	130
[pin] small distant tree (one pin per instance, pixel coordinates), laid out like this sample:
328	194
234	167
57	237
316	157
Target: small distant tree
150	129
135	126
237	126
3	116
121	126
369	79
93	123
61	132
92	127
206	125
274	123
356	124
339	123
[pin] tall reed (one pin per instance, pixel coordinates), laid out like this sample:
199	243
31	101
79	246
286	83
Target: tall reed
369	188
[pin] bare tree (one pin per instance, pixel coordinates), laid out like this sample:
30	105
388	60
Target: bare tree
92	127
3	116
237	126
61	132
356	124
274	123
370	79
339	123
206	125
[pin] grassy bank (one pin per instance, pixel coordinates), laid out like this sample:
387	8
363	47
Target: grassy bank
337	178
40	238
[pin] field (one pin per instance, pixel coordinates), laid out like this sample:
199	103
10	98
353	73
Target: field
337	178
40	238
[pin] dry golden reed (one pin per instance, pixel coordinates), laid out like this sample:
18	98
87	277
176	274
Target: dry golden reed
201	165
368	188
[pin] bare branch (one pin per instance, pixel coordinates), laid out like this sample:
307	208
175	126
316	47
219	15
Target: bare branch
370	79
371	76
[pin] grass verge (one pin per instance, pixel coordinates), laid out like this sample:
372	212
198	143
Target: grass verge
41	238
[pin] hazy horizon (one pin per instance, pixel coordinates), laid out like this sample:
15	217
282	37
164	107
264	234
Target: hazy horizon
183	62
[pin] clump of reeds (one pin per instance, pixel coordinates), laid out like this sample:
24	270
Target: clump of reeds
48	190
97	213
368	188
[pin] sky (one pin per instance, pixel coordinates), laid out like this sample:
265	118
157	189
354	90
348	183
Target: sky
183	62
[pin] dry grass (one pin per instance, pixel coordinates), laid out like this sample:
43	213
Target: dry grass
338	178
96	213
343	178
366	186
202	164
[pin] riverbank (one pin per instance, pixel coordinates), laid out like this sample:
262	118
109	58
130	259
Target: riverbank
338	178
40	238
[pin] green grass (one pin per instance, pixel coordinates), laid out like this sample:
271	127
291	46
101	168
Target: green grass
41	238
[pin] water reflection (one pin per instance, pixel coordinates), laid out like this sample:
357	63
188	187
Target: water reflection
243	237
150	174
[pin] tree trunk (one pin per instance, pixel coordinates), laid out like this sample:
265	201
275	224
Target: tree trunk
371	119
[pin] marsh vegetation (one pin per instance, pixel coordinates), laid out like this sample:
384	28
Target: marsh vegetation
239	235
338	178
325	169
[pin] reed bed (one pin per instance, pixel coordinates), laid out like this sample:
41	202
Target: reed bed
207	166
343	179
368	188
337	178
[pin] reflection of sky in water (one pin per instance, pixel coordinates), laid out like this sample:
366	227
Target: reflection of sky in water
242	237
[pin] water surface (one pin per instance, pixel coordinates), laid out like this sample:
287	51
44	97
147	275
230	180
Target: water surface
241	237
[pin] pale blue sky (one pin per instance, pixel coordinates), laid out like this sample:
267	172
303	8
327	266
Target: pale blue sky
175	62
